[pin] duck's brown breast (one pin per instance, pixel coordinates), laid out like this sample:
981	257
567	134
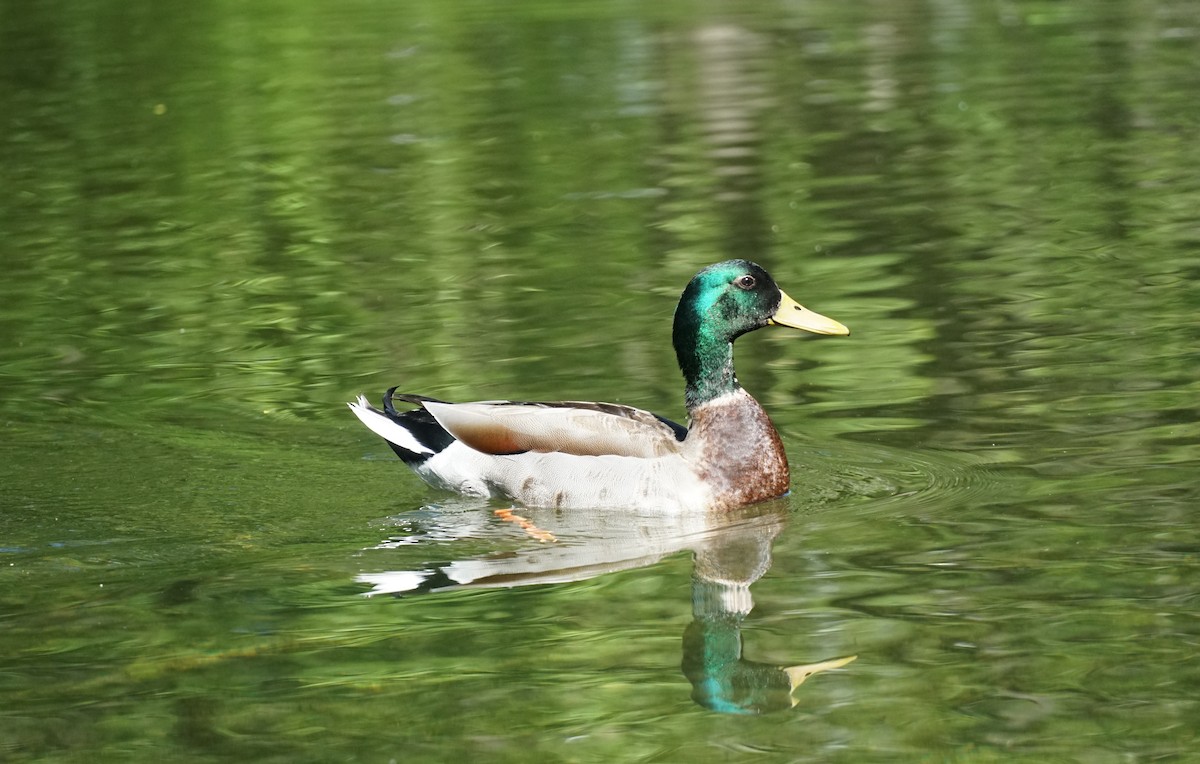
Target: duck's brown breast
736	450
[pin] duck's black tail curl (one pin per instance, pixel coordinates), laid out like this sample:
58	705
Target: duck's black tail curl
414	436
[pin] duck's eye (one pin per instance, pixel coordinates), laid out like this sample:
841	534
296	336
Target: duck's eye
746	282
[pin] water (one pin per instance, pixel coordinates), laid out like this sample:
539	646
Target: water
221	222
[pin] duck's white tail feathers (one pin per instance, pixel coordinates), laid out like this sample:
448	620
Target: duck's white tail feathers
386	428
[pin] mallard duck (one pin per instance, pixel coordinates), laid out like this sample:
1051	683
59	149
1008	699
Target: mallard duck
577	454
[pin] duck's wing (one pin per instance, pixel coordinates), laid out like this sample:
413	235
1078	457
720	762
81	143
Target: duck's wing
569	427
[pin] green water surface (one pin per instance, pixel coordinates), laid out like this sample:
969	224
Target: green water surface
220	221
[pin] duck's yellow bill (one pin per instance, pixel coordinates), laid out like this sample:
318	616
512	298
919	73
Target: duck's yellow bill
796	316
797	674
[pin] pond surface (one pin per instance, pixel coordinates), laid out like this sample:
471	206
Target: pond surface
223	220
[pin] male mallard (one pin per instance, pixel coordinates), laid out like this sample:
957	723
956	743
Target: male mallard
573	454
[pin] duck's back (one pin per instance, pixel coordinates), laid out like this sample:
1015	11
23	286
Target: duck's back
731	456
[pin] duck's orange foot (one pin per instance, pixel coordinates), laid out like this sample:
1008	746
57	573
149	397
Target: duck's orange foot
525	524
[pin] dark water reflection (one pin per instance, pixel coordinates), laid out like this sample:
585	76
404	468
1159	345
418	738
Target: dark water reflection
222	221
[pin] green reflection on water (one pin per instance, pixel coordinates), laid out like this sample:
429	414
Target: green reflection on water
222	220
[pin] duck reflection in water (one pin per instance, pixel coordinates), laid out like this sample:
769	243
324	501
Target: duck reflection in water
730	551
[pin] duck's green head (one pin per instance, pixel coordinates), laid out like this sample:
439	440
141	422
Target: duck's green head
720	304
